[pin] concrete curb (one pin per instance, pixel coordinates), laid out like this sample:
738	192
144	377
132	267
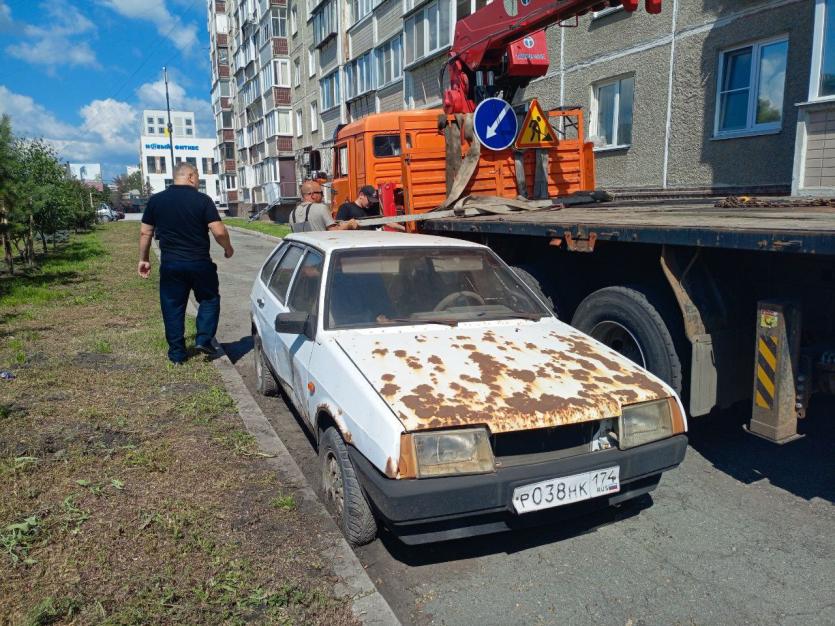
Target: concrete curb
368	604
255	233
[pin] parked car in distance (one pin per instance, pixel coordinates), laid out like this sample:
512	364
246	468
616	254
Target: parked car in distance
105	213
446	398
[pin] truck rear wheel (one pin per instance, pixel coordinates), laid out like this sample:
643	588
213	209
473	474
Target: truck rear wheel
626	320
533	285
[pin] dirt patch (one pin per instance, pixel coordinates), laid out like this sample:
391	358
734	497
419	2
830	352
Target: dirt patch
105	362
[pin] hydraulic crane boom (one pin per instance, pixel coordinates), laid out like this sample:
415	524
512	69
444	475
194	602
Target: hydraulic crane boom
502	46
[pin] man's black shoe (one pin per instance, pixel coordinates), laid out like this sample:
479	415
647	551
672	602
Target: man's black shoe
207	350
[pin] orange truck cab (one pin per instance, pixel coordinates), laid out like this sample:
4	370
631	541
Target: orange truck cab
407	149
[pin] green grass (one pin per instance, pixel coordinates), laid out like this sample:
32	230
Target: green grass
268	228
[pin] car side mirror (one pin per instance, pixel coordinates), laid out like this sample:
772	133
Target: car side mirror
296	323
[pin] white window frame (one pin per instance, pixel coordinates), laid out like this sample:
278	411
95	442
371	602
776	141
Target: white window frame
299	123
422	15
278	15
359	76
751	127
294	20
284	122
359	9
311	62
297	72
281	69
818	42
332	93
379	61
314	116
594	109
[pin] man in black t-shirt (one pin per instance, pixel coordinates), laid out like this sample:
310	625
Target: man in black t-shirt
182	217
367	204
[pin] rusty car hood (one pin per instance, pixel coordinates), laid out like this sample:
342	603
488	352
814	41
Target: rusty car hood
510	375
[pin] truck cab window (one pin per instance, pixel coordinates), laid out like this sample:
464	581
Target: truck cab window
341	169
386	146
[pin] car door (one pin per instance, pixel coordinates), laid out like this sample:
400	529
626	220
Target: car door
274	304
259	297
296	349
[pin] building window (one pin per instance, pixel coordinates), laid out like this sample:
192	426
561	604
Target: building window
279	21
330	90
314	117
155	165
150	120
189	131
201	186
169	182
281	72
359	9
822	83
208	165
324	22
188	121
297	72
389	61
611	115
228	151
311	63
468	7
359	76
285	123
150	130
160	121
427	30
299	123
750	88
294	20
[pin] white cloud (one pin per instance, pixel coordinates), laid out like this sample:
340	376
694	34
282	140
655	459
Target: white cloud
182	35
5	17
59	43
108	133
152	96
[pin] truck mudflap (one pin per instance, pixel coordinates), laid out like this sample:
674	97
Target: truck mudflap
439	509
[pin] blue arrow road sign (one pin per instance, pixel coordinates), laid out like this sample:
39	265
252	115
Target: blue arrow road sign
495	123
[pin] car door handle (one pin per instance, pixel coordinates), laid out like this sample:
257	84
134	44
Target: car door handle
260	302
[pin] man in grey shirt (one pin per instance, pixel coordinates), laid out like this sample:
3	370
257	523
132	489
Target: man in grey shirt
312	214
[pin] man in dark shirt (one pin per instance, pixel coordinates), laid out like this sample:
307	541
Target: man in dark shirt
367	204
181	216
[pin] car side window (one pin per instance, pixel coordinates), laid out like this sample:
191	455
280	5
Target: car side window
283	273
269	266
304	294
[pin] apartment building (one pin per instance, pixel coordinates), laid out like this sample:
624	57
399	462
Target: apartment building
251	100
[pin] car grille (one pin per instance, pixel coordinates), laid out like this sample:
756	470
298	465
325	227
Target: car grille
523	447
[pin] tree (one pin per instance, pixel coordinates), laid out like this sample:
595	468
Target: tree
8	196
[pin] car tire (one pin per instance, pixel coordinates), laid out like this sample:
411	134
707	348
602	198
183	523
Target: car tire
265	382
533	284
629	321
342	490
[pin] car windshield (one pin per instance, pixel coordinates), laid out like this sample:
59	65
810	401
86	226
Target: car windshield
399	286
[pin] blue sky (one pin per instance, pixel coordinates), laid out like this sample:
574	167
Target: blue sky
79	72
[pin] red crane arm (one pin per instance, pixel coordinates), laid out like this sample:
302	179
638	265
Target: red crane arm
487	32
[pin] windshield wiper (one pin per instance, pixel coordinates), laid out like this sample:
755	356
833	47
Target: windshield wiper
515	314
441	321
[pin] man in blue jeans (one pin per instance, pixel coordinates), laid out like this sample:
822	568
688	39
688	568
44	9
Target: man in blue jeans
182	217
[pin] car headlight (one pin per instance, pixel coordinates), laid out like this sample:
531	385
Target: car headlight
645	422
446	453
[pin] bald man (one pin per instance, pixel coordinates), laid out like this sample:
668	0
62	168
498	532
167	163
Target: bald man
312	214
182	217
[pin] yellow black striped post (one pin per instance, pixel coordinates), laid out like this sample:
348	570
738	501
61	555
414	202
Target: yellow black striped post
766	383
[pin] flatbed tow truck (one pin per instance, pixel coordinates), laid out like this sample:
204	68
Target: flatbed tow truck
726	299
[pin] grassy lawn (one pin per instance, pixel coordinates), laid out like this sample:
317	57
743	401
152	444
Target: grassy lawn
129	492
268	228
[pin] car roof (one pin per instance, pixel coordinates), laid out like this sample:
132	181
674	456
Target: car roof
331	240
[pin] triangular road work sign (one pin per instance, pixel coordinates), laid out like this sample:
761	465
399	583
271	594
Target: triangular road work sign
536	132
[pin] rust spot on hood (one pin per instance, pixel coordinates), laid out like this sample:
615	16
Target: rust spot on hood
387	377
380	351
391	468
526	375
389	390
400	353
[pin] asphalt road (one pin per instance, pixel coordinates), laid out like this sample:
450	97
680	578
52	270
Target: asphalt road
742	532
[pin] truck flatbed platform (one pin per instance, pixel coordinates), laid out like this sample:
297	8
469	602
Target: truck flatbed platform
691	222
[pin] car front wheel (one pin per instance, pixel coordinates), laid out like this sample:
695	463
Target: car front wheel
343	492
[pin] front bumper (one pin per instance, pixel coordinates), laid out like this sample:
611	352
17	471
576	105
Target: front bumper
438	509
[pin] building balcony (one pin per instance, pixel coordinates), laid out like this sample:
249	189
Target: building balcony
232	196
229	166
226	135
284	144
278	3
222	70
220	6
221	39
280	46
282	96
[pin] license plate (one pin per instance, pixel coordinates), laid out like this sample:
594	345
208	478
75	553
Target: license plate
566	490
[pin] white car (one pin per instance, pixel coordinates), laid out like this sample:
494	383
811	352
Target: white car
446	398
